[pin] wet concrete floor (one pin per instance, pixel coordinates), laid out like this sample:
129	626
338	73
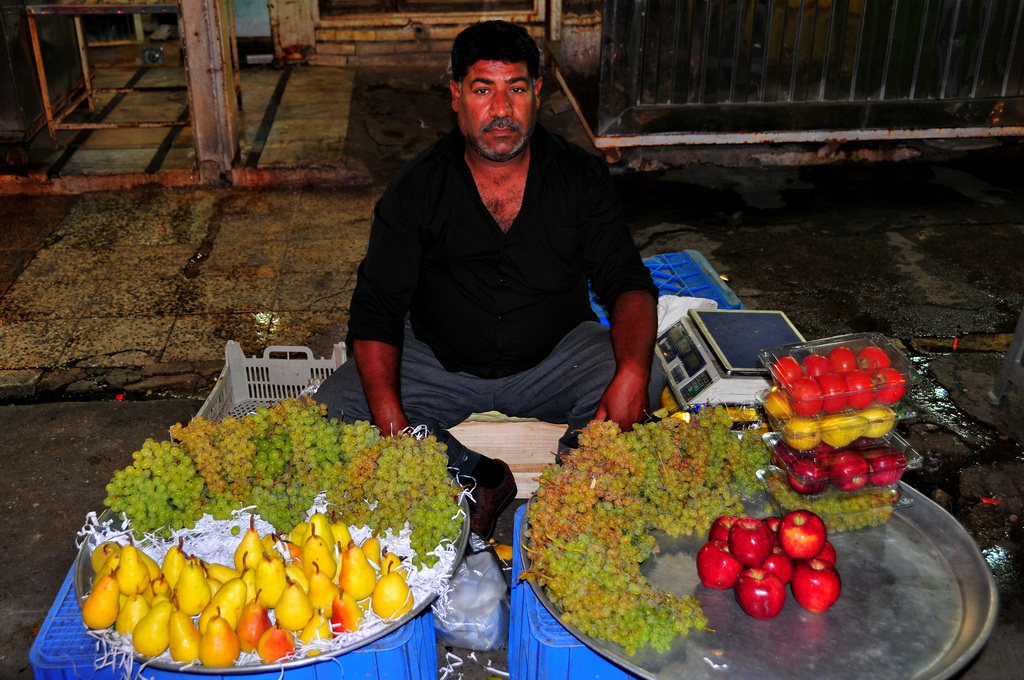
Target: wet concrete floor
136	293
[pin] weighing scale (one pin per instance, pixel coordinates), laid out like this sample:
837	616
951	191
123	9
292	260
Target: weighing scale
711	355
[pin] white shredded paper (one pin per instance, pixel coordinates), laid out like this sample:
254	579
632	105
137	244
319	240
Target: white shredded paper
212	541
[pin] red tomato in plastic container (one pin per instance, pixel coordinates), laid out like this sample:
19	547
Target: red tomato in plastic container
890	385
805	396
843	359
816	364
859	389
872	358
833	392
786	370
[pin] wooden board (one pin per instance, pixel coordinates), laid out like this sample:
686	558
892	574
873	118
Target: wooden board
527	446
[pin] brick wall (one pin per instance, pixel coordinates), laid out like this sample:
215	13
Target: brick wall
419	43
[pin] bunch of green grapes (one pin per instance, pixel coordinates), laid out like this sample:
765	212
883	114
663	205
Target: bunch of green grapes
277	458
159	491
589	524
398	480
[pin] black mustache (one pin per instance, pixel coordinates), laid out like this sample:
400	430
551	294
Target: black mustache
501	122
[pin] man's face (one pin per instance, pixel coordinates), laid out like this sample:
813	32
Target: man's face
497	106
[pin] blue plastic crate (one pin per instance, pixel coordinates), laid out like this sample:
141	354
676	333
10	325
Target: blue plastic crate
63	651
685	274
539	647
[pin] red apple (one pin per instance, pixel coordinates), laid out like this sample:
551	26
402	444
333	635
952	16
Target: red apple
872	358
843	359
720	528
890	385
848	470
780	564
716	567
833	392
805	396
828	553
887	465
859	389
750	541
760	593
807	476
816	364
802	534
815	584
773	523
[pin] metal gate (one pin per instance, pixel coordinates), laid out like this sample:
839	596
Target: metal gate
720	71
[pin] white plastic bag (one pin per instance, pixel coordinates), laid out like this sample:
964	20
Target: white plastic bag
474	613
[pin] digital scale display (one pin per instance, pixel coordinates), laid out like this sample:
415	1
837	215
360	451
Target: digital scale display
711	356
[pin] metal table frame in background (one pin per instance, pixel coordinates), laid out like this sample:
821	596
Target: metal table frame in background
55	115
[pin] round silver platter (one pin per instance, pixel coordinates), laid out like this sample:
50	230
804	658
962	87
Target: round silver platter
918	602
82	580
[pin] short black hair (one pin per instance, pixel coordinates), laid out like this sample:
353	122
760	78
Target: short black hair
494	41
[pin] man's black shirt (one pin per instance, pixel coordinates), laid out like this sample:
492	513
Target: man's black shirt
488	302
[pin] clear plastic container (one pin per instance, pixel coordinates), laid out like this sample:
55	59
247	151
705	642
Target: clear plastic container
842	373
803	433
865	462
840	510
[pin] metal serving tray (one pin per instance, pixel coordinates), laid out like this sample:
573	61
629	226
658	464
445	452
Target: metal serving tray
83	575
918	603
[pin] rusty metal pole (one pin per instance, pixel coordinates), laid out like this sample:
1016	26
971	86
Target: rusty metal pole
207	40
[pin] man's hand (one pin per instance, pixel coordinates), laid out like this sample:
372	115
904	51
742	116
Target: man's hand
378	364
634	327
624	400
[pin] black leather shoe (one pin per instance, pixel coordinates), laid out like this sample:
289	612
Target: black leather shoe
488	503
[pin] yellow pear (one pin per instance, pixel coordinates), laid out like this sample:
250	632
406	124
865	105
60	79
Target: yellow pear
152	633
271	579
389	561
321	526
109	565
248	575
230	599
357	576
318	628
299	533
322	589
294	608
158	586
214	585
269	543
183	637
221	572
318	553
209	611
371	548
132	573
151	565
174	560
100	608
101	552
276	644
219	645
249	548
295	573
132	611
346	615
341	533
255	619
391	596
192	593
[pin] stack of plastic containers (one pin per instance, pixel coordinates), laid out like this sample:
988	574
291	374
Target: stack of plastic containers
833	409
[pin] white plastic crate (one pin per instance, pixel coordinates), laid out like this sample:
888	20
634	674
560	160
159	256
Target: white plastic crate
281	373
